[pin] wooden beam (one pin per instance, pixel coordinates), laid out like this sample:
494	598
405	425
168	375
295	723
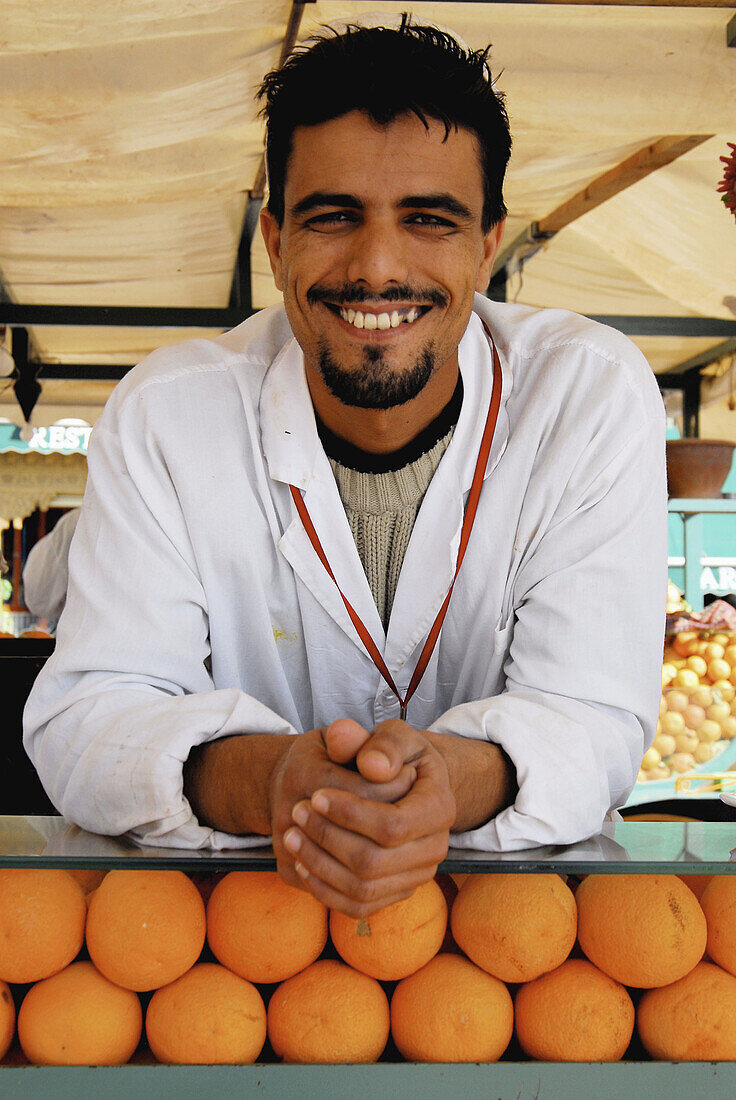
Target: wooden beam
731	32
634	168
649	158
611	3
704	359
290	36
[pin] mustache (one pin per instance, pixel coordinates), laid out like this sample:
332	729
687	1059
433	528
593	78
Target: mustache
354	294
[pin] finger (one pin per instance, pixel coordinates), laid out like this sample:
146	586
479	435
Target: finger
352	907
351	781
426	809
343	739
390	745
329	881
316	842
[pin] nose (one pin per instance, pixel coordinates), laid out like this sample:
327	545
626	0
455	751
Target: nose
377	256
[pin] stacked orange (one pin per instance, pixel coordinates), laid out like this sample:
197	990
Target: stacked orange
555	967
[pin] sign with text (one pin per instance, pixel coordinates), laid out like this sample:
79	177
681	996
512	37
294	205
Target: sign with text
64	437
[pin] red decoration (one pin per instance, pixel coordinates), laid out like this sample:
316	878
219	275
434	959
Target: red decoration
728	183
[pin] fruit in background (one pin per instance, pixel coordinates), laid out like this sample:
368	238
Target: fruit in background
698	704
145	928
7	1018
208	1016
329	1013
261	928
397	940
575	1013
719	905
641	930
79	1018
665	744
42	917
675	602
515	927
692	1019
451	1011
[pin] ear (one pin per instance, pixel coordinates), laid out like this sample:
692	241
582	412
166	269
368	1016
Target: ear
272	238
491	245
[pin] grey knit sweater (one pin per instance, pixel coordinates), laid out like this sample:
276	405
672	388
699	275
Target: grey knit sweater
381	495
381	510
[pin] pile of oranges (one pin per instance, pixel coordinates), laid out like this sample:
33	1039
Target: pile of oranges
232	968
697	711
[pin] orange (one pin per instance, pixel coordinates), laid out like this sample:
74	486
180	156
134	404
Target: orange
697	883
691	1020
263	929
575	1013
209	1015
451	1011
397	940
145	928
88	879
79	1018
41	923
515	926
719	905
7	1018
328	1013
641	930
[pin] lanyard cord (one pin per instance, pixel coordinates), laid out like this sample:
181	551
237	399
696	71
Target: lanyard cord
470	510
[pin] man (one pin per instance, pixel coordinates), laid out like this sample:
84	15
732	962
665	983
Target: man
46	571
388	433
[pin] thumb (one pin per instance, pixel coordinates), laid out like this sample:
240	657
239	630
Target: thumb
343	740
390	745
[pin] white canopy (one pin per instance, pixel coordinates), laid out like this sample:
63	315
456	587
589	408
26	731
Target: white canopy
130	139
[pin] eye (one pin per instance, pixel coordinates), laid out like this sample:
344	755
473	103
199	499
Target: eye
331	219
430	221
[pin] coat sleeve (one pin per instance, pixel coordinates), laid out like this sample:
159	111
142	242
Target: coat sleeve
127	692
46	573
583	669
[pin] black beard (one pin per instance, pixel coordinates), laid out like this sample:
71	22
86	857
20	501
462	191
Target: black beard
375	385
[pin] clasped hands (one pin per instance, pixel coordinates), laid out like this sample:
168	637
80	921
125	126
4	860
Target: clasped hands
361	818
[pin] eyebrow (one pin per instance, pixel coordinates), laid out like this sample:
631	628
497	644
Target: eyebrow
316	199
440	201
437	201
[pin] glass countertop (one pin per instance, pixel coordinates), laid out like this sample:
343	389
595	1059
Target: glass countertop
633	847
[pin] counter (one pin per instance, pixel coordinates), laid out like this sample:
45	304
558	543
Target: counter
626	847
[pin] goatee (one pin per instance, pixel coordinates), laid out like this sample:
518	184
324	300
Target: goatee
375	385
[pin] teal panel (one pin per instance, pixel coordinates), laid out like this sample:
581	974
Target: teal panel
502	1081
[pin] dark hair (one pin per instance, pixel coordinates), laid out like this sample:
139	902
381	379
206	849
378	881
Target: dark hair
386	73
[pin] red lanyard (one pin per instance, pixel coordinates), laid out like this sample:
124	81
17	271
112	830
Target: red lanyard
470	509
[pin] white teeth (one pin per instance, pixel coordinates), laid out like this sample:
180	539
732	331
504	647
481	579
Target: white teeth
381	321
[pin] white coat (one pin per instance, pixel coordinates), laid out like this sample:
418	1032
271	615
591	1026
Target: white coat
198	609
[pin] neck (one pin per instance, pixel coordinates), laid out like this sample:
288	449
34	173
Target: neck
382	431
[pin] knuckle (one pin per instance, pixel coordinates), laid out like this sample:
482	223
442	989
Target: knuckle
364	892
392	830
364	863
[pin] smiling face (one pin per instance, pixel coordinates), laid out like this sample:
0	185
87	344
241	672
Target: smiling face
379	255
